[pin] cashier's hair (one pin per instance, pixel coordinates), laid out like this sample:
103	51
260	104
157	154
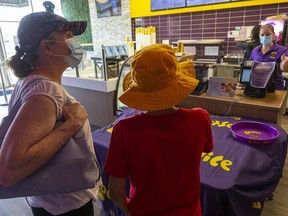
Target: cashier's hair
268	26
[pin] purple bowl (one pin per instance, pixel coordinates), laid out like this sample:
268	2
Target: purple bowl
254	132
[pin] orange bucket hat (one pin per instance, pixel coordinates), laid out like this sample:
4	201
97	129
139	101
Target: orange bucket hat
156	80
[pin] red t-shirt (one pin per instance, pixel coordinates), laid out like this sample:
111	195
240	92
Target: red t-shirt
161	156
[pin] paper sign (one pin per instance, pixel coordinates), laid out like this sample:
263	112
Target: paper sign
211	51
233	34
190	50
222	86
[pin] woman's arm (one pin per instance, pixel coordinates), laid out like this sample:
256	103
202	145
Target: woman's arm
32	140
117	193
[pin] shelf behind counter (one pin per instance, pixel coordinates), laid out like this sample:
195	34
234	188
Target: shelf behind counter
270	108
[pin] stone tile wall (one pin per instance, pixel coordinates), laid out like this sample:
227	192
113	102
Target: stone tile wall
110	30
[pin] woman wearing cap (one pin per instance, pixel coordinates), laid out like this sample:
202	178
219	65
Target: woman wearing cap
46	48
160	149
270	51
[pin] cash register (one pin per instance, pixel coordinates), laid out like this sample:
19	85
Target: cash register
268	83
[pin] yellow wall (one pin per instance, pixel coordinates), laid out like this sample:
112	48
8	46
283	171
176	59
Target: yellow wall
141	8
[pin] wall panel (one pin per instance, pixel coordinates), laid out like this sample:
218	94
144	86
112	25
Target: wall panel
209	24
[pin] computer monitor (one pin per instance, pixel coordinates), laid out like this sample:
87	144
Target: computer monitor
245	74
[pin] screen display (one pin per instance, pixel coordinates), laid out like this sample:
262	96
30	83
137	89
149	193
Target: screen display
171	4
204	2
245	75
167	4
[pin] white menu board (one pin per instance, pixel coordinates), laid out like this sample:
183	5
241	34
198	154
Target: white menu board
204	2
167	4
170	4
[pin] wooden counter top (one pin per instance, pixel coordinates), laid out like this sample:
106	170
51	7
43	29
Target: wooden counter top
269	108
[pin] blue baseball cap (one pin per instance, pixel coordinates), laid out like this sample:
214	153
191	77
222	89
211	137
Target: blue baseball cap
39	25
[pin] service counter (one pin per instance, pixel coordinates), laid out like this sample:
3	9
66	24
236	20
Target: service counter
97	96
269	108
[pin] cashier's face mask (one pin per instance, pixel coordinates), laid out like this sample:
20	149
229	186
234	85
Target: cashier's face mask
76	54
266	40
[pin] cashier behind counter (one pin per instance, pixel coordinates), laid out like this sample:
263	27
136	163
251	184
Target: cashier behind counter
270	51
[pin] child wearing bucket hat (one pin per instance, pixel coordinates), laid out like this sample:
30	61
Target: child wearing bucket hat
159	150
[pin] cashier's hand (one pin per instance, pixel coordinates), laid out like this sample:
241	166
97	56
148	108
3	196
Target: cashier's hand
284	57
284	63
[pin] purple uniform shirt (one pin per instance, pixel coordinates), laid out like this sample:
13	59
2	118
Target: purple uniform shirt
274	54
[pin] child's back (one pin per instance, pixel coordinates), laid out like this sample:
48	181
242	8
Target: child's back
160	151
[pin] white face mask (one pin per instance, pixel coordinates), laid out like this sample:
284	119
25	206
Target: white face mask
76	54
266	40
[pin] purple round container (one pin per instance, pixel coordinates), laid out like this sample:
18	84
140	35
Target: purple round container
254	132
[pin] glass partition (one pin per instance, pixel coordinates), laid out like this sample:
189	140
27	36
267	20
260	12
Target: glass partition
103	64
125	68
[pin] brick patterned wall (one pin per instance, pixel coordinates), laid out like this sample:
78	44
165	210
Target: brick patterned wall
208	24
